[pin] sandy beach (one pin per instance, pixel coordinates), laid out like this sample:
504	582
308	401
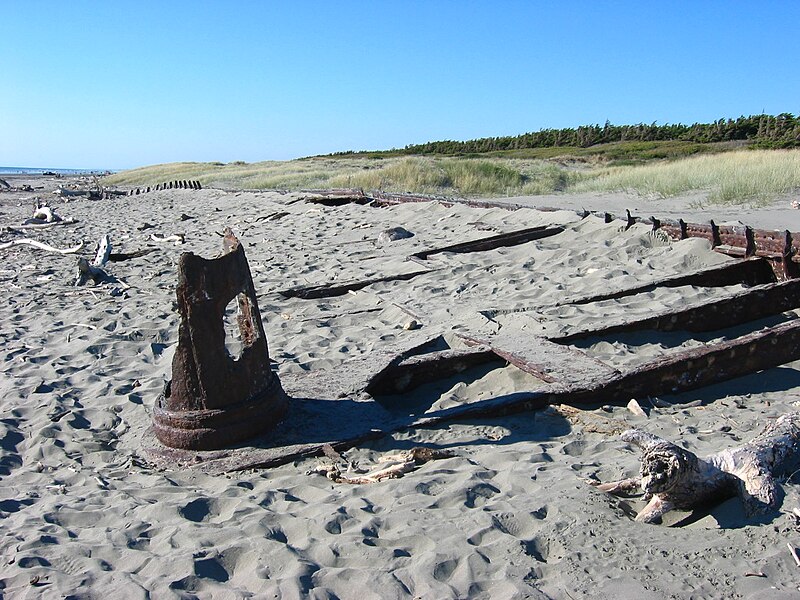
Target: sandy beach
86	514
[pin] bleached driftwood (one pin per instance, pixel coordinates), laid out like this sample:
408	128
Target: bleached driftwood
672	477
67	193
588	420
87	271
103	251
41	246
45	213
399	464
178	238
43	217
34	224
93	270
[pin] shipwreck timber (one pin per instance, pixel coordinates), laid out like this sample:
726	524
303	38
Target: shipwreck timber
781	249
764	266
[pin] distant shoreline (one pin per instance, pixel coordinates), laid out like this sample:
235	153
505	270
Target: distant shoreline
47	171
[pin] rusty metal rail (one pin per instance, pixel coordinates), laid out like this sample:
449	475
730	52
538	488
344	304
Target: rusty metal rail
781	248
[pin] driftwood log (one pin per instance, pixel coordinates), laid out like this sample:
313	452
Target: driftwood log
41	246
93	270
395	465
43	213
674	478
178	238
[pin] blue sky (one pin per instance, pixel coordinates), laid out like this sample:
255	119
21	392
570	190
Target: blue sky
116	84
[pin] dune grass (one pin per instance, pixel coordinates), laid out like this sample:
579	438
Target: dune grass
746	176
445	176
295	174
737	176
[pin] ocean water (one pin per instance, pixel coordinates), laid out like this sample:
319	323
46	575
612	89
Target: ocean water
42	170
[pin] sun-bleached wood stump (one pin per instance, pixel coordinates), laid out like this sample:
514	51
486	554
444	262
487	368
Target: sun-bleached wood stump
672	477
215	400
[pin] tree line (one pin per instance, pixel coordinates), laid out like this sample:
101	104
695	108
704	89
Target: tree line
761	131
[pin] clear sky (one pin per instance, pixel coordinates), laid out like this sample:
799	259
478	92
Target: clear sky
118	84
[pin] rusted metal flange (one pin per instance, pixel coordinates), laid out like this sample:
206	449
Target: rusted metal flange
215	400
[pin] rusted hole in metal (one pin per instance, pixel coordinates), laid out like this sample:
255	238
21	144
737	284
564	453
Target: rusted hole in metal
233	341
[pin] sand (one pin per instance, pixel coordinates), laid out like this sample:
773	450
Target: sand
84	515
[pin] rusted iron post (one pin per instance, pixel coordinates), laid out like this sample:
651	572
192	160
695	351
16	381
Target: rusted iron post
630	220
215	400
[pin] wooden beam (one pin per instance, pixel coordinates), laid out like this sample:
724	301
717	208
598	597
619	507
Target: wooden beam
741	307
544	359
329	290
512	238
749	271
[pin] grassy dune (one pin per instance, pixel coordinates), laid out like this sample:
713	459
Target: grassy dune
743	176
447	176
754	176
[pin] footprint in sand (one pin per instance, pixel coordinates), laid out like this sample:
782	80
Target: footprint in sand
197	510
444	570
537	549
211	568
478	495
334	526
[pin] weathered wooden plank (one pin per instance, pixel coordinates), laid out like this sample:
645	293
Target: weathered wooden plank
670	374
702	366
330	290
548	361
315	420
750	271
512	238
744	306
411	372
355	375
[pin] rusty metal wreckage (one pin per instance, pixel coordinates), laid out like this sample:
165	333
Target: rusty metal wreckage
220	414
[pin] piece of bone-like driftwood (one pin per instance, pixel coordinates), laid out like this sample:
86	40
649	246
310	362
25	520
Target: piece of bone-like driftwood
399	464
44	213
103	251
87	271
39	225
178	238
41	246
93	270
673	477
